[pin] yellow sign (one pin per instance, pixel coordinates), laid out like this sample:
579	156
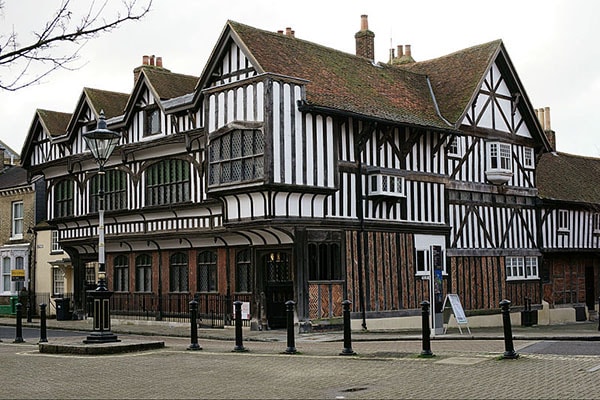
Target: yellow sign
17	275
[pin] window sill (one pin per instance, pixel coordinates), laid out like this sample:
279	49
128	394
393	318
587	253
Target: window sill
522	278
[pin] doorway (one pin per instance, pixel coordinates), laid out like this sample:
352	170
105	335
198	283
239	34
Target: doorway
590	288
279	287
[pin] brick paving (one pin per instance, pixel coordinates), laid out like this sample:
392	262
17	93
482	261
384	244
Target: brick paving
382	368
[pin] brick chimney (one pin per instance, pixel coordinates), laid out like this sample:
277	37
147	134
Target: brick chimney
365	40
148	62
543	115
404	55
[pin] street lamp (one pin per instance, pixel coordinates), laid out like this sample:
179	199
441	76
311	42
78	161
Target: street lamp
101	142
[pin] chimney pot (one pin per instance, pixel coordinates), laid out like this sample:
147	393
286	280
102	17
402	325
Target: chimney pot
152	59
547	126
407	50
364	22
288	31
280	31
145	60
400	51
159	62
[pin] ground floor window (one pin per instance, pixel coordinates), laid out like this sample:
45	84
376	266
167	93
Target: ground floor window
324	262
243	272
521	268
207	272
121	274
178	273
143	273
58	282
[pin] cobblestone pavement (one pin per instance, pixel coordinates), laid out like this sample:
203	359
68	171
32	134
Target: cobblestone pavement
461	369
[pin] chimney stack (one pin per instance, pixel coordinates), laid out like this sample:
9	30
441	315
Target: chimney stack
2	161
543	115
404	55
365	40
148	62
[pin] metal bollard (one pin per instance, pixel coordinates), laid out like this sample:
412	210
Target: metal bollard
509	349
426	331
347	333
19	335
194	326
43	329
598	313
239	346
291	346
29	312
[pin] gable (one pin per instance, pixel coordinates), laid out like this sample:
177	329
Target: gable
496	107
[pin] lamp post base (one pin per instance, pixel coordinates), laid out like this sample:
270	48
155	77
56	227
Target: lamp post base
101	337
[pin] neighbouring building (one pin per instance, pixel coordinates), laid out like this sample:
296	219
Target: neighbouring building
292	171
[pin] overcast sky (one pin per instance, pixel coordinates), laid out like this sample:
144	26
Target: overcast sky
553	45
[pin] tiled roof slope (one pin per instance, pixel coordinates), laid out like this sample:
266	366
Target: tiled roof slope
13	177
343	81
455	77
169	85
54	122
568	177
113	103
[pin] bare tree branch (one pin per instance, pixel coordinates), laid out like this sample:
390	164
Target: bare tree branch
61	28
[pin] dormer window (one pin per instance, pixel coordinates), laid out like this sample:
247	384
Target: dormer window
151	121
386	185
499	162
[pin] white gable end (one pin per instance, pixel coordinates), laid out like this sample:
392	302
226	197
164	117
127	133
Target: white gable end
495	107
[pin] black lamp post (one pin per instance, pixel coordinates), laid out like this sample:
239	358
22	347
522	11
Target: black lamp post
101	142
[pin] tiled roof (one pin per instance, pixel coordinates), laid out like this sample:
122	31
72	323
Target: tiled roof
13	177
455	77
568	177
113	103
169	85
343	81
54	122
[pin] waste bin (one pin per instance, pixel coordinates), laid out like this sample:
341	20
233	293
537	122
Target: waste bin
63	312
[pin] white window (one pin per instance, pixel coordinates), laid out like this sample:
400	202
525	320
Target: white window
17	220
422	262
528	157
521	268
5	275
596	223
563	221
429	253
58	282
55	244
455	147
386	185
499	160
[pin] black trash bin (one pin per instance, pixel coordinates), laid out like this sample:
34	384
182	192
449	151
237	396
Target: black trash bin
63	312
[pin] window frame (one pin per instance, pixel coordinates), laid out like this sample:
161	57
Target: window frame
121	273
179	273
232	163
596	223
58	281
325	261
143	273
168	182
563	222
207	268
115	191
55	242
519	268
496	159
6	279
528	158
17	221
64	198
455	148
150	113
243	267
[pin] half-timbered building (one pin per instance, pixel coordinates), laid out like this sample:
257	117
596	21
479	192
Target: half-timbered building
290	170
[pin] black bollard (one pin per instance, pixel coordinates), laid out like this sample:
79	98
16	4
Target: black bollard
239	346
598	313
291	346
426	331
43	329
29	312
19	335
509	349
194	326
347	351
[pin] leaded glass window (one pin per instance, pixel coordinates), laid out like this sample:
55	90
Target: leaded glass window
143	273
236	156
121	274
168	182
64	198
178	273
207	272
243	272
115	190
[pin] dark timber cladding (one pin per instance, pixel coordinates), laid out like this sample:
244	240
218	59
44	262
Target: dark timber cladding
388	271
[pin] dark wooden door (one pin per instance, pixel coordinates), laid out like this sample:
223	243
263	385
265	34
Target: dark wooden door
590	288
279	287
